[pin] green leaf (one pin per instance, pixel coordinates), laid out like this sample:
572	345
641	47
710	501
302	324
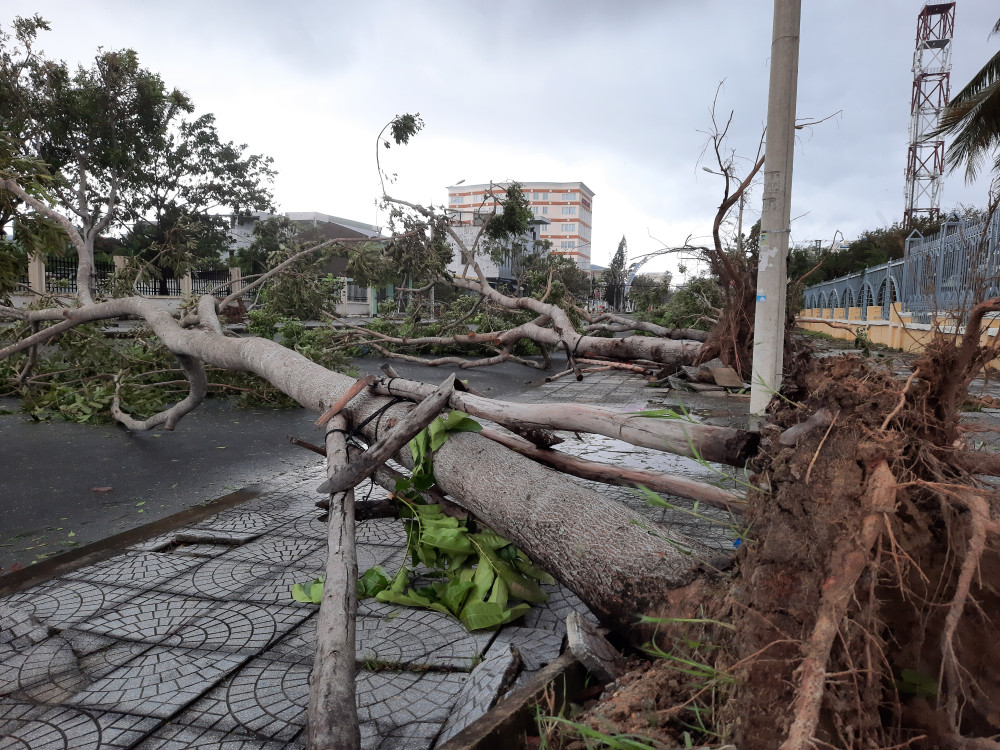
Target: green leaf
534	572
409	599
483	578
312	595
516	611
499	595
373	581
480	615
449	540
454	595
400	582
491	539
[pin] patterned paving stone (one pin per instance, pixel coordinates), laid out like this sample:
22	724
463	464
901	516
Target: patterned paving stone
148	618
485	685
62	603
41	728
552	614
369	555
308	526
381	531
392	634
242	521
277	549
237	626
159	682
266	697
141	570
405	709
176	737
244	580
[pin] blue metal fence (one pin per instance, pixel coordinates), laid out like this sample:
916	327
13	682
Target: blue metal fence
946	271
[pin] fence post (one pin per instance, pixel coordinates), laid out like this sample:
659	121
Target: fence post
36	273
236	277
186	284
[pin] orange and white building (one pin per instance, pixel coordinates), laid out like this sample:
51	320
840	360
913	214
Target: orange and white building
568	206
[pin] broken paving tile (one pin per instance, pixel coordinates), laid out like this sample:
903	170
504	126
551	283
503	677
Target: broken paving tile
390	634
393	706
537	646
485	685
61	603
159	682
551	615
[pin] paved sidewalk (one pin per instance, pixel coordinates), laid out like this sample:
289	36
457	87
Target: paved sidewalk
192	639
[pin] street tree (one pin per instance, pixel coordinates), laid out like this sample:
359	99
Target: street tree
615	277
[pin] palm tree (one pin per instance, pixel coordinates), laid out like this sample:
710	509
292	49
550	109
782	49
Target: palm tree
973	116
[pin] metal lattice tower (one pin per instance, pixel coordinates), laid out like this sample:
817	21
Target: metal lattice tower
931	93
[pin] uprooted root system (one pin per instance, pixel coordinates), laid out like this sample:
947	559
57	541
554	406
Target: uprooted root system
864	609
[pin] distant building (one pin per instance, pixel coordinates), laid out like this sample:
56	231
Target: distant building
568	206
499	275
355	299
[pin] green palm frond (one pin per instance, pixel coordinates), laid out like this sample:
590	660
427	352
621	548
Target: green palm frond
973	117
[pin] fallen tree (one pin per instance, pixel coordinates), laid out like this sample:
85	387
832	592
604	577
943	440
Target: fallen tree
854	616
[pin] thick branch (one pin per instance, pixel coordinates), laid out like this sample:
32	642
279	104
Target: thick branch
194	370
333	716
718	444
623	476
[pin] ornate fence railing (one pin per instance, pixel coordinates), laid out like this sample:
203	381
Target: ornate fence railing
946	271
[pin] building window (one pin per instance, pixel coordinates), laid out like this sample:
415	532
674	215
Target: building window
567	244
569	227
458	199
545	196
535	197
545	209
568	210
569	196
356	293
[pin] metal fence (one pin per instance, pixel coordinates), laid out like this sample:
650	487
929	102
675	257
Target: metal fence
946	271
211	282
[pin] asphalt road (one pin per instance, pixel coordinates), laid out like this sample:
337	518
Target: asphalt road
55	475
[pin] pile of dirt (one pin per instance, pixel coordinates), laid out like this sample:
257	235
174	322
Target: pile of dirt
864	606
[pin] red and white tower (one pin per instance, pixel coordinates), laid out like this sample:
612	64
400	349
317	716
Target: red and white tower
931	92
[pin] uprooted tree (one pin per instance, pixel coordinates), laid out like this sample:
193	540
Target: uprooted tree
861	609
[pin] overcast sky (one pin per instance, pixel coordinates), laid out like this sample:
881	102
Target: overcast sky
611	93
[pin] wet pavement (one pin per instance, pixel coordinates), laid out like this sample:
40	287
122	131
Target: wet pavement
192	639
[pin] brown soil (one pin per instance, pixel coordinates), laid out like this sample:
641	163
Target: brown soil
868	533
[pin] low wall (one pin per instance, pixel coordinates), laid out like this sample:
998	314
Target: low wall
898	332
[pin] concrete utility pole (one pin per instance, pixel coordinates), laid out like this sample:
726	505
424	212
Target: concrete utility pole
772	270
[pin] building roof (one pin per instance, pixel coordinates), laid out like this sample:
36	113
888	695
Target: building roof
528	186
